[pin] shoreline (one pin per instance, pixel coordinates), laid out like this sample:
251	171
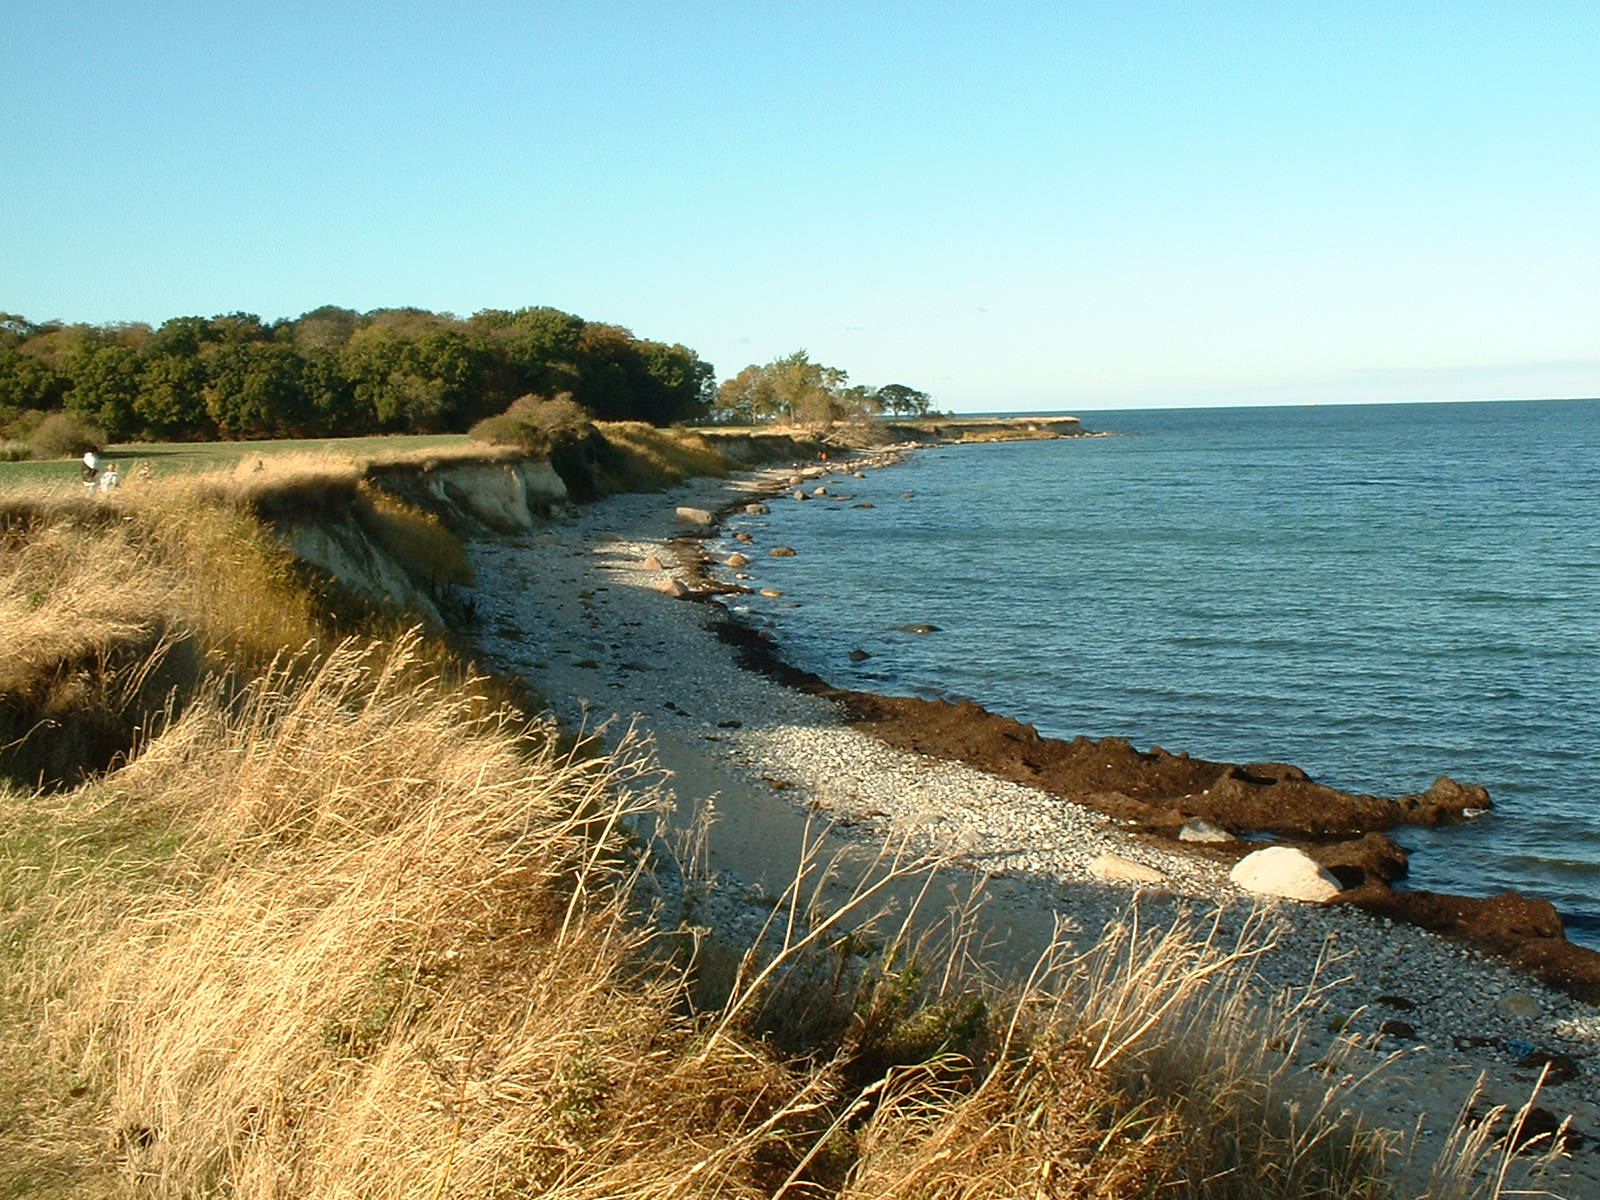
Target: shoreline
576	608
1158	793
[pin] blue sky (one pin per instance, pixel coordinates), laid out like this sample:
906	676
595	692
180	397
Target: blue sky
1068	205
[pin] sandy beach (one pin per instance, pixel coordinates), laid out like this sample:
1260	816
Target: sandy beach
576	607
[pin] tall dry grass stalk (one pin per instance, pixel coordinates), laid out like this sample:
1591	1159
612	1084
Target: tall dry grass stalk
416	539
1495	1152
91	586
70	591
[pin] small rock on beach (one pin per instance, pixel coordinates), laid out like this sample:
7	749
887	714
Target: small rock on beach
1114	866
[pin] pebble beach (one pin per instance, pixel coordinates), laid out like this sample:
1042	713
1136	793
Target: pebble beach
577	607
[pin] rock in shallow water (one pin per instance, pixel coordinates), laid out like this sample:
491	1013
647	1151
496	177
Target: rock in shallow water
699	518
1200	830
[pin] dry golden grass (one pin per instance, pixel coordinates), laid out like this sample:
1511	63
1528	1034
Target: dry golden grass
111	604
658	458
69	591
82	574
92	586
392	956
189	553
413	537
391	889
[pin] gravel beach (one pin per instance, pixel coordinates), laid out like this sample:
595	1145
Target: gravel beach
574	608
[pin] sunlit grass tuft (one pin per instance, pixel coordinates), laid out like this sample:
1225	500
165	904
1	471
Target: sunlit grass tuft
655	458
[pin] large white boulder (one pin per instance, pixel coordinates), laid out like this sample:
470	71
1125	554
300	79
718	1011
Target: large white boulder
1287	872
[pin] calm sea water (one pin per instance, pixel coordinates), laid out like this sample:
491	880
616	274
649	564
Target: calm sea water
1380	594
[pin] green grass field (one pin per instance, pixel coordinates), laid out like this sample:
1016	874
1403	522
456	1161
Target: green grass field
165	458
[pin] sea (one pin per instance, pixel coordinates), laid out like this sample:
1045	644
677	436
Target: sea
1379	594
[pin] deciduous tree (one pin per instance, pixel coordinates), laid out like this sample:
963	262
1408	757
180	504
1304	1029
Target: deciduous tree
253	389
105	381
412	373
26	382
792	389
536	348
170	401
902	401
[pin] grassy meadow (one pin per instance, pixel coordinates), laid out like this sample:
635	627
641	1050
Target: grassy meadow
167	458
296	903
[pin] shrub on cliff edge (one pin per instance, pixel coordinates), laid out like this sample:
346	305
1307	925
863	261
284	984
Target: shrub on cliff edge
534	423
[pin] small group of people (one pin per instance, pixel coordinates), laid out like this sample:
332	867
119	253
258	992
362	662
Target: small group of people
98	474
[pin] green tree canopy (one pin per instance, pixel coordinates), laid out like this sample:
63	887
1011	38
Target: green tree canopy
170	401
323	329
797	390
180	337
333	370
105	382
253	389
27	383
533	350
16	329
412	371
902	401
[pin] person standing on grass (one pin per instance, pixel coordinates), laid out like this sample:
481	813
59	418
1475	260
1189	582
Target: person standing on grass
91	470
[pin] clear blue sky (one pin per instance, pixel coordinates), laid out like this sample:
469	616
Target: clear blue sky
1060	205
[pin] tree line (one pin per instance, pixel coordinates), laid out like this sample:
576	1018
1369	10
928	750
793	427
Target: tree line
336	372
795	390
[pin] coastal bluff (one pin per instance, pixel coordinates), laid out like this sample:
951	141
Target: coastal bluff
505	493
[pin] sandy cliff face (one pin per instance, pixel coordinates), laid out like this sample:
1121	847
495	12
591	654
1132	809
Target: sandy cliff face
345	551
505	497
491	497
